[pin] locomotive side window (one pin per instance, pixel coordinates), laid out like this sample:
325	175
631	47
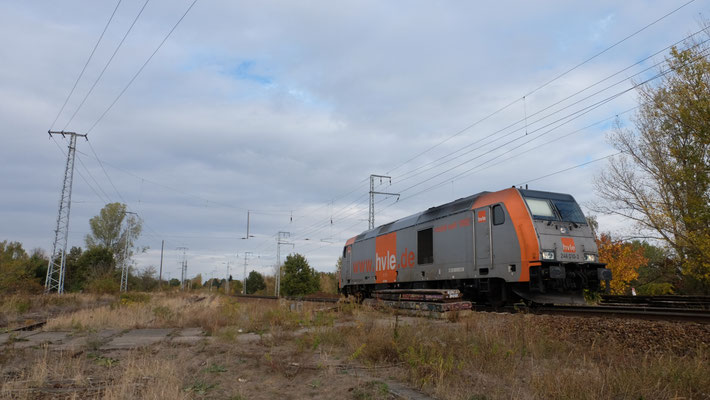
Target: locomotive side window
344	248
425	246
498	215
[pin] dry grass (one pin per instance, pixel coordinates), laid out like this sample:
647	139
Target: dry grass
210	312
503	356
44	372
18	309
473	356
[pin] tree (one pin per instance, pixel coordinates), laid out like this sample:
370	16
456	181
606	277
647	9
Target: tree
255	282
195	283
74	278
660	275
328	282
16	270
299	278
108	230
662	179
174	282
623	259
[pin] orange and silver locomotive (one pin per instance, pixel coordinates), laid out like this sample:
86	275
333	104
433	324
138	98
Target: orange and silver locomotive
492	246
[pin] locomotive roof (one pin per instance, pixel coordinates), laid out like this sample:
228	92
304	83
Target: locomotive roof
444	210
433	213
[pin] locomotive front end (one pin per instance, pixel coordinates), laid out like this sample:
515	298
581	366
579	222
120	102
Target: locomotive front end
569	259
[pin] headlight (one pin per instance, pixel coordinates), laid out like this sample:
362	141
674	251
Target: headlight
548	255
590	257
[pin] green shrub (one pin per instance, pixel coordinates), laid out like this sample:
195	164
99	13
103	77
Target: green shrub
134	297
103	286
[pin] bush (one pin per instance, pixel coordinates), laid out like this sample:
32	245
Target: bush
104	285
134	297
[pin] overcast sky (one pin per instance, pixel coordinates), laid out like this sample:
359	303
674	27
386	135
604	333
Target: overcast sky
285	108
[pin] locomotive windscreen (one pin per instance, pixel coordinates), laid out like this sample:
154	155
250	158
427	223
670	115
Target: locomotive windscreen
555	209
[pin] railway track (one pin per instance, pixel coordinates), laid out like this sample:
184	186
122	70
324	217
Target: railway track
616	311
293	298
611	307
666	301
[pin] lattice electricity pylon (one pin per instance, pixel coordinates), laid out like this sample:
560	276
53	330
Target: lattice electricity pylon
183	267
57	261
124	267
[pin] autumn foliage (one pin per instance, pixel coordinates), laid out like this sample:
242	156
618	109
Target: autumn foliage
623	259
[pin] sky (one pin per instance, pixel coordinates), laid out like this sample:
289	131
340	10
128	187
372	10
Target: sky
281	110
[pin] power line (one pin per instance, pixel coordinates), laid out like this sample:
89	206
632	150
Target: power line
609	48
98	78
85	65
570	168
539	87
410	174
106	173
142	67
660	74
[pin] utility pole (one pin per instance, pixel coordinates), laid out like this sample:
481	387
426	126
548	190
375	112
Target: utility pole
371	219
124	267
183	267
160	276
244	284
280	240
248	235
58	259
226	281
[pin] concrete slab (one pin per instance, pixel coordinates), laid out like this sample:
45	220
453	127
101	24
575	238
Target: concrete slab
40	338
137	338
81	340
248	338
191	332
188	336
16	335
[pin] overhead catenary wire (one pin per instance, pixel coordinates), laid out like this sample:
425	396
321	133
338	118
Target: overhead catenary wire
404	177
412	173
660	74
344	210
547	83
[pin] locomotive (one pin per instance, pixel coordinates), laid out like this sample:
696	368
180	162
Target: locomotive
495	247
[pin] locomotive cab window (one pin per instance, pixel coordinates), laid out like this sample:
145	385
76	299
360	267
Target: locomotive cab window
540	209
498	215
425	246
344	249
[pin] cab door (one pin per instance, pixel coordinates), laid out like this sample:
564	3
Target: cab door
346	265
482	231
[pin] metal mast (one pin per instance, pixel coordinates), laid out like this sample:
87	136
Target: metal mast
124	267
280	239
57	261
371	218
183	266
244	286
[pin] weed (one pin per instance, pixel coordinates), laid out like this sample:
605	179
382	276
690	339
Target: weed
200	388
215	368
102	361
373	390
133	298
163	313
